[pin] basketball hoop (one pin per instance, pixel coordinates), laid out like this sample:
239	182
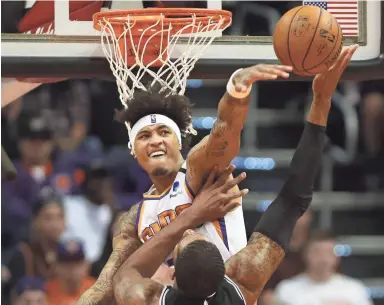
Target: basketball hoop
135	41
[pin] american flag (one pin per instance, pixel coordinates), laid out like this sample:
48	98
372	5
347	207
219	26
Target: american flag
345	12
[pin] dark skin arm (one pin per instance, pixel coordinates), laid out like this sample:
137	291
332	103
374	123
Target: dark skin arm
131	283
223	143
253	266
125	242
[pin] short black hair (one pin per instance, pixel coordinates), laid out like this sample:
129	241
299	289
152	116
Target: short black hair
46	197
157	100
199	269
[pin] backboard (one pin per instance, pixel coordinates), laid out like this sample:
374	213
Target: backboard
57	39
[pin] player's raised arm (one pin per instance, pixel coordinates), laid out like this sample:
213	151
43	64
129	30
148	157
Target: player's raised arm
252	267
132	283
223	143
125	242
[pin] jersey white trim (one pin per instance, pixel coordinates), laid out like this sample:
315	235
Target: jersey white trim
236	288
163	294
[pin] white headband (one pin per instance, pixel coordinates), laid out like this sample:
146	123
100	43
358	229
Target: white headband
149	120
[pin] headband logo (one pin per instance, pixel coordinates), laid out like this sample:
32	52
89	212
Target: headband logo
153	118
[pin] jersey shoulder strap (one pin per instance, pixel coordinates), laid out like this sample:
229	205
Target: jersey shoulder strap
228	294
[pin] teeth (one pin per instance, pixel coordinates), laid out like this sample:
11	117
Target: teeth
157	153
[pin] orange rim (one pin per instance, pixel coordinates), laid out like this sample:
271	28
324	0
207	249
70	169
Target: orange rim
177	17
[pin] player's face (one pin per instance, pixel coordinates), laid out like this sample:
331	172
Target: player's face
50	221
188	237
157	150
36	152
32	297
320	257
72	272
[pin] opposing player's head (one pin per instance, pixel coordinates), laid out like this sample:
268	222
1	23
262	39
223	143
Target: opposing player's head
159	126
199	267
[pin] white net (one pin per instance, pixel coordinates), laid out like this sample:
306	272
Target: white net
172	74
130	67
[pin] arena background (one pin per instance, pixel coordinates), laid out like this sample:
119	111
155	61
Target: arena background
78	110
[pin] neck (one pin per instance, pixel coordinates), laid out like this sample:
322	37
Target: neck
319	276
161	183
70	287
32	163
44	243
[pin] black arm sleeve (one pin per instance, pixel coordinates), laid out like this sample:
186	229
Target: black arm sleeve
279	219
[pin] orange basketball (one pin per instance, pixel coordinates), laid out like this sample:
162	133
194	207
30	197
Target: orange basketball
309	39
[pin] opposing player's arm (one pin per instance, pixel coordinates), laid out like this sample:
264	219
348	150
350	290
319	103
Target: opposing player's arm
252	267
223	143
125	242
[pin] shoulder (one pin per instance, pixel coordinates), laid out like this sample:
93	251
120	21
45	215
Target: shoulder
144	292
196	152
232	289
126	222
350	283
289	285
52	285
73	202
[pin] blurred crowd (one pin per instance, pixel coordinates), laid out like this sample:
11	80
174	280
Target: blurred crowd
76	175
58	215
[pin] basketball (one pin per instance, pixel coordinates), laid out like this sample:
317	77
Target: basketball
309	39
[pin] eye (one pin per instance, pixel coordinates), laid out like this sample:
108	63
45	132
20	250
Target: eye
164	132
143	137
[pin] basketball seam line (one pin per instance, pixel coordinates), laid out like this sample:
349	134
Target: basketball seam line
289	31
313	38
338	31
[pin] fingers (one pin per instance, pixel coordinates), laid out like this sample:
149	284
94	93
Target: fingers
231	203
229	207
232	183
224	176
273	71
234	195
344	58
339	60
211	177
348	57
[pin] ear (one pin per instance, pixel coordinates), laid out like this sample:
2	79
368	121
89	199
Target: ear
172	273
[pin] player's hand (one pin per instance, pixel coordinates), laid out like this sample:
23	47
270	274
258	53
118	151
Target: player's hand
324	84
246	77
214	200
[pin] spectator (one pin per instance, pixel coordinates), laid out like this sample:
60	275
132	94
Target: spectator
72	275
373	116
29	291
320	284
130	180
293	263
107	249
89	216
36	169
372	93
36	257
